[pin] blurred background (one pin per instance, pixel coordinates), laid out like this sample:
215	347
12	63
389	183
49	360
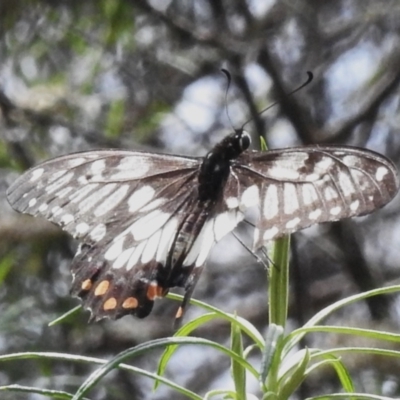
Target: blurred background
136	74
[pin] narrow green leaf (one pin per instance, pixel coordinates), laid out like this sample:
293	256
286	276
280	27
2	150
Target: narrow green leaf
238	372
53	394
340	369
293	381
144	348
292	339
272	341
65	316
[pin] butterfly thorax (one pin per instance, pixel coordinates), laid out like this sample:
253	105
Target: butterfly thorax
215	168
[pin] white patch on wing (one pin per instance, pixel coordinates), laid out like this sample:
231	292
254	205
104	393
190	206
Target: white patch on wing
144	227
56	210
195	250
36	174
330	193
81	228
312	177
336	210
150	250
362	181
115	249
98	166
32	202
82	180
168	235
324	164
315	214
75	162
153	204
271	202
98	232
59	183
310	194
293	223
111	201
67	219
141	197
55	175
207	242
283	172
232	202
123	258
291	202
354	205
351	161
89	202
132	167
43	207
224	223
380	173
270	233
136	255
346	184
63	192
82	192
250	197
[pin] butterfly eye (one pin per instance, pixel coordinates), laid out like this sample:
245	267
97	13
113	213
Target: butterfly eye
245	140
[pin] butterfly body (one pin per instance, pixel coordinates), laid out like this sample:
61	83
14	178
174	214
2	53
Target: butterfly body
147	221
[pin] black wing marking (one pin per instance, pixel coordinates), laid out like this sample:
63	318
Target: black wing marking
298	187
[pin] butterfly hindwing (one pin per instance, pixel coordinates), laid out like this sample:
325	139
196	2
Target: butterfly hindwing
299	187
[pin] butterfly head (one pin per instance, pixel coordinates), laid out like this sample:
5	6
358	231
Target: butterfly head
234	144
243	139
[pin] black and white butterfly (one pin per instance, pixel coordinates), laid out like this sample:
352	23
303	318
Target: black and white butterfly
146	221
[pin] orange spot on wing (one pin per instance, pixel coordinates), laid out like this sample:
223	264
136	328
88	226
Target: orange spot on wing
154	291
110	304
86	284
102	288
130	302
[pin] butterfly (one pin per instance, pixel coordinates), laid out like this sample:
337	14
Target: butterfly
146	222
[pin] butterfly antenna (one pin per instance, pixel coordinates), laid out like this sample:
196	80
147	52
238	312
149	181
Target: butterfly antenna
229	81
310	77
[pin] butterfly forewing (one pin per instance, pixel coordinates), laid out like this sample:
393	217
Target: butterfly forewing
82	190
299	187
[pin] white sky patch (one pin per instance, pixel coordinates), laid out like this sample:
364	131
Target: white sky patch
195	113
349	73
198	106
259	82
282	134
259	8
